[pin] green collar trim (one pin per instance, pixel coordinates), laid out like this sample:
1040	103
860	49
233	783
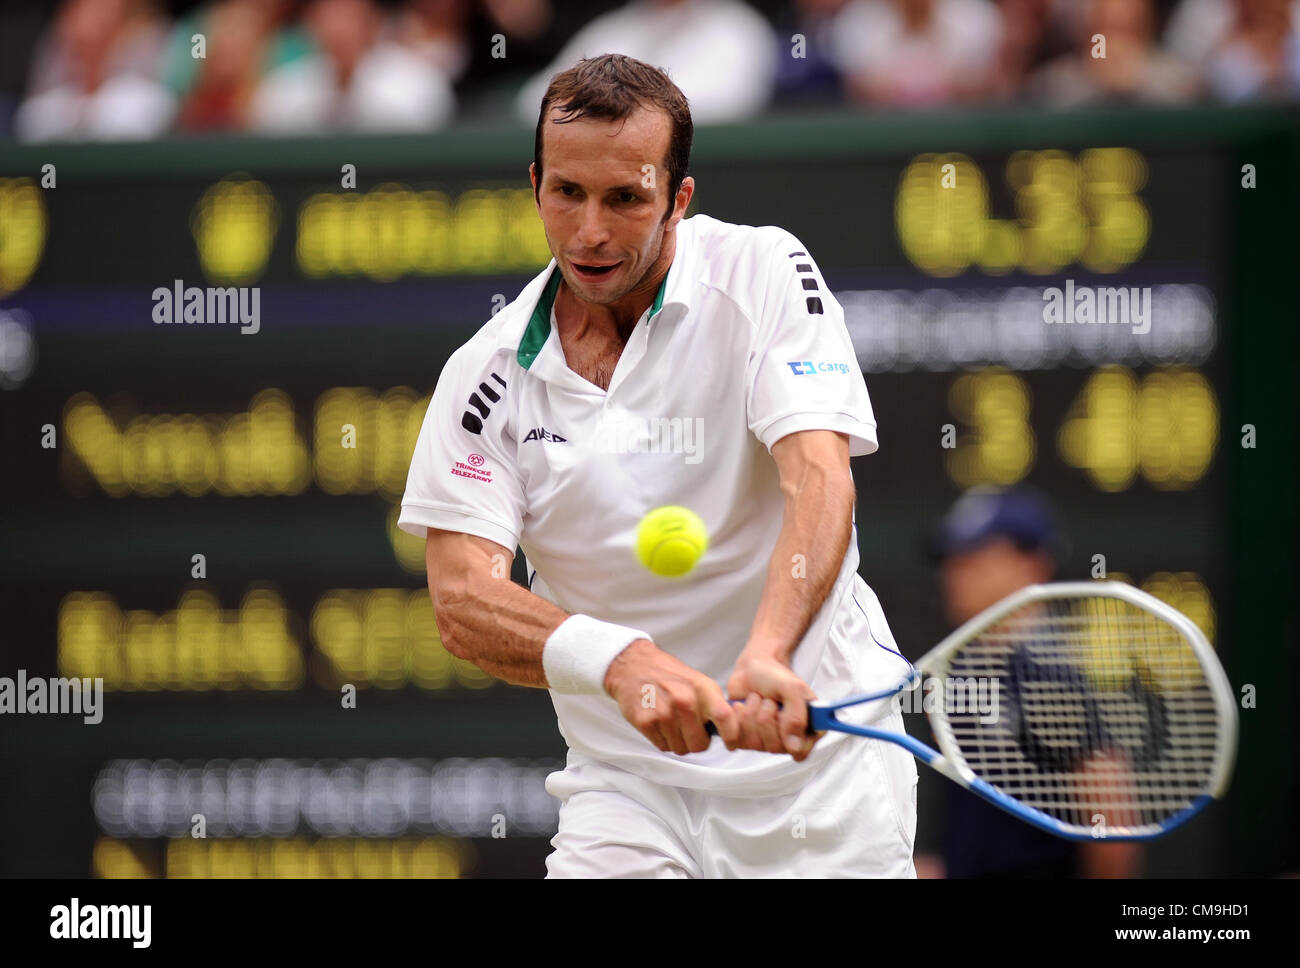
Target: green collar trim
538	330
539	325
658	304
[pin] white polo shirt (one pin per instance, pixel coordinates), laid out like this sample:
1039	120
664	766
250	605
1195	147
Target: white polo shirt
743	344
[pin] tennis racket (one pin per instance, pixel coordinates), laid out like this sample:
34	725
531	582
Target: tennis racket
1088	709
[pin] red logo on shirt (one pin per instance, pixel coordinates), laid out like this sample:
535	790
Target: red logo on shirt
472	467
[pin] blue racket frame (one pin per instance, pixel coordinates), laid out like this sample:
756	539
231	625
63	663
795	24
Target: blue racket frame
822	717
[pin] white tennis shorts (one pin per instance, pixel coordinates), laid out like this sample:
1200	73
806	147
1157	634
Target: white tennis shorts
856	818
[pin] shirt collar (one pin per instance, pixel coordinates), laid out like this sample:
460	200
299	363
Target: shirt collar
674	290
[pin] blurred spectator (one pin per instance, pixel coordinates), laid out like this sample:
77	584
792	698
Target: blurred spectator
356	80
509	41
992	543
110	69
437	31
1197	27
21	30
719	52
915	53
1026	44
1260	55
524	20
812	76
236	35
1133	69
95	75
279	40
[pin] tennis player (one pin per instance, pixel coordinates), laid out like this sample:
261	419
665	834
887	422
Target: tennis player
660	360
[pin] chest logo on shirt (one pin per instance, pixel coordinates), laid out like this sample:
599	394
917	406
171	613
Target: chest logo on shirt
808	367
541	433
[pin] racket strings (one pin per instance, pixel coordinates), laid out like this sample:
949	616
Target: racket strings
1089	709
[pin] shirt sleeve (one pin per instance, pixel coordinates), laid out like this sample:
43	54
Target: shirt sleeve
463	474
803	371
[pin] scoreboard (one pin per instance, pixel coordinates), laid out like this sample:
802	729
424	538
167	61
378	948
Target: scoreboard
201	491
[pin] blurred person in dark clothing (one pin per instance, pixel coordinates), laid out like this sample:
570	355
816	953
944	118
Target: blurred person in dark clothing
990	544
511	40
21	31
812	77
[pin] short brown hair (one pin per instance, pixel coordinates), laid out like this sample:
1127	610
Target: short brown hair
610	87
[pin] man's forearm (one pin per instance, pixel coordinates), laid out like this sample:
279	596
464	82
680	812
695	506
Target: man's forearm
499	626
509	632
1111	859
815	533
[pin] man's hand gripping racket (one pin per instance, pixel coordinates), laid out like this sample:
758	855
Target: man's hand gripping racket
1088	709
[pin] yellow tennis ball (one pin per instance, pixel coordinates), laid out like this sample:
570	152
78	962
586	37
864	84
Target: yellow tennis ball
670	540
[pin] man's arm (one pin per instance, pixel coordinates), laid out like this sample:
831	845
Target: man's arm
1117	858
818	486
482	615
1109	778
503	628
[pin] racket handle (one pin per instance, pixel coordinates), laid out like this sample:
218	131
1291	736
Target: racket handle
712	730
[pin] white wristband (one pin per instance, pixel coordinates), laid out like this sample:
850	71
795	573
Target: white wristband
578	653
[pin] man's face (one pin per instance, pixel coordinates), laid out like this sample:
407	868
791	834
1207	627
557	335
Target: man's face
602	200
974	580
